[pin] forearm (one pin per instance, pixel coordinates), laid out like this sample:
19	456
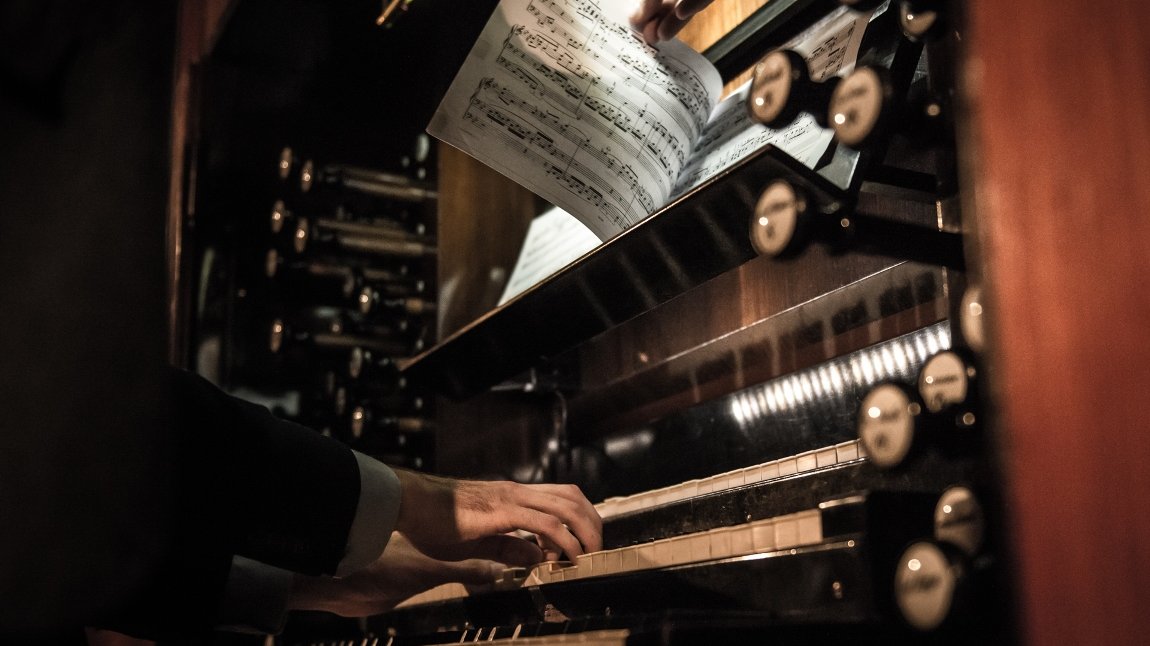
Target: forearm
257	597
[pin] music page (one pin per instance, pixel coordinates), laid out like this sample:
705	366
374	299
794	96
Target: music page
554	240
564	98
831	47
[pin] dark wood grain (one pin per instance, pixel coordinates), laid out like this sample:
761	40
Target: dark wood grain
1058	98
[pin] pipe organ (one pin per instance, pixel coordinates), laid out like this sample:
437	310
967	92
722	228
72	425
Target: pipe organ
776	388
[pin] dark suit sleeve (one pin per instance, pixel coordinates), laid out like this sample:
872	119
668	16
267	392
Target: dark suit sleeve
276	492
125	489
241	482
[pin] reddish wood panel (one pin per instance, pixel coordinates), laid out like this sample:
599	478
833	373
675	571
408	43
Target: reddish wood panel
714	22
1058	120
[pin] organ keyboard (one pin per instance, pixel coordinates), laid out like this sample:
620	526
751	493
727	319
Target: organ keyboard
810	539
737	540
782	532
849	548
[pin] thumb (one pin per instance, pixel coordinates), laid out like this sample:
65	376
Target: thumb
509	550
474	571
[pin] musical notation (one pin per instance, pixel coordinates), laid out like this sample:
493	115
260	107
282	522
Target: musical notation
835	51
554	240
732	134
564	98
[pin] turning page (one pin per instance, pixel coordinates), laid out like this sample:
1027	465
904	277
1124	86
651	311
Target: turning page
831	48
564	98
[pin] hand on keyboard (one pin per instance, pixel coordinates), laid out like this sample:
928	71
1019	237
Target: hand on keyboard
458	519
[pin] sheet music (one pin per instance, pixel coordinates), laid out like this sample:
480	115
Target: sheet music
554	240
565	99
831	48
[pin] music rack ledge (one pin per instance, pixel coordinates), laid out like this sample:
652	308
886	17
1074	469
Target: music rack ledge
691	240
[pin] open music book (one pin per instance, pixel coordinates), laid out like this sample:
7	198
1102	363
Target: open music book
565	99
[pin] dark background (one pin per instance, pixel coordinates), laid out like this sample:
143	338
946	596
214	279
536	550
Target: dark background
85	92
84	109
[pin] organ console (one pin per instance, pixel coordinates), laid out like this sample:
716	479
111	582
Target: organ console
776	388
835	496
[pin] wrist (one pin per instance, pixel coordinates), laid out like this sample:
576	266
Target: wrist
309	592
407	496
421	498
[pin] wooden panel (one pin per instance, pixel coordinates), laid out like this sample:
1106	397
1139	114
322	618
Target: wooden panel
714	22
754	291
483	218
1058	98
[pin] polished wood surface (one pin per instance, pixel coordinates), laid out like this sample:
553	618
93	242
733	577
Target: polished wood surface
1058	100
714	22
789	340
483	218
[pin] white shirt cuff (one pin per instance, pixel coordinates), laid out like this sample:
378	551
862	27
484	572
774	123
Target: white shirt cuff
376	514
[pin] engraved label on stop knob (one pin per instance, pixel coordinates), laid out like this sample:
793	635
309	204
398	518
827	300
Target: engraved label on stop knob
944	380
886	424
775	219
959	520
918	23
924	585
856	105
771	88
